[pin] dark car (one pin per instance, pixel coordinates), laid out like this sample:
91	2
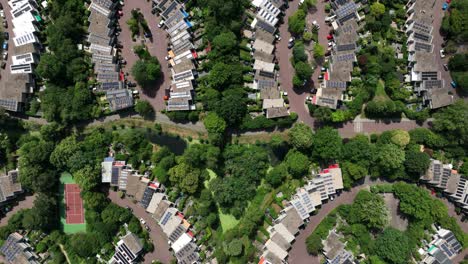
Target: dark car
5	24
3	65
290	44
6	35
148	34
131	84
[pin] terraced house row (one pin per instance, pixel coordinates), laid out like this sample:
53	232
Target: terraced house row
102	40
261	34
18	83
297	211
151	196
453	184
425	74
181	55
343	54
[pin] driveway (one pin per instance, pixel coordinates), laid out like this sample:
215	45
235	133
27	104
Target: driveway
161	248
298	253
26	203
157	47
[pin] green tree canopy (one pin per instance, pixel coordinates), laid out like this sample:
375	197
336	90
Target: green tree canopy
296	22
297	163
186	177
144	108
146	71
393	246
327	144
301	136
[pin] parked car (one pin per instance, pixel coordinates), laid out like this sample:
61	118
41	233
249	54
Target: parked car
5	45
291	42
161	24
454	84
445	67
148	34
5	55
5	24
323	69
6	35
316	24
142	221
147	228
330	37
131	84
445	6
2	13
442	53
3	65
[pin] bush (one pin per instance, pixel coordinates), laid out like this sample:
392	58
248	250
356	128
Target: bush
314	244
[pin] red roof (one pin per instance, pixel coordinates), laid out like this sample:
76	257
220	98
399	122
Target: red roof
190	233
326	77
334	166
194	54
122	76
261	261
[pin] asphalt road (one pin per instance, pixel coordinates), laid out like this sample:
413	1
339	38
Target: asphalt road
161	248
157	47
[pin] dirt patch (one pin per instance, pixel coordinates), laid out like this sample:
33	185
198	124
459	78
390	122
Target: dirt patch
396	220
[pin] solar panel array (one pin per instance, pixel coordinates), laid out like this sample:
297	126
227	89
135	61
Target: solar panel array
423	37
327	100
169	9
147	195
341	2
429	76
10	249
267	74
347	17
345	57
179	231
265	26
9	104
110	85
183	75
431	84
263	84
453	242
423	27
336	84
346	9
423	47
346	47
166	218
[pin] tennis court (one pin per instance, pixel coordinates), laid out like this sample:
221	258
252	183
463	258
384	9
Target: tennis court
71	205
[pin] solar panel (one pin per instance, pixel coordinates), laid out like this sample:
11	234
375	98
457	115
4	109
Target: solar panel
423	37
423	47
336	84
341	2
346	9
431	84
267	74
166	218
429	76
344	57
423	27
346	47
327	100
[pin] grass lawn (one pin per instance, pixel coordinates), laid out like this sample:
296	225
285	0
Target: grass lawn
380	94
227	221
212	177
66	178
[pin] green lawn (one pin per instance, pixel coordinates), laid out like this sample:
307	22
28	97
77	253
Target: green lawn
228	221
66	178
380	94
212	177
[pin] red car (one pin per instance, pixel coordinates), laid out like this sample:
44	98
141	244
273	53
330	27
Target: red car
329	37
448	1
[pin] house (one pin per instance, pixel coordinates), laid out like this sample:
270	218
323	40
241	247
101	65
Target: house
127	250
17	251
151	188
442	249
276	112
334	250
119	99
170	221
15	91
10	186
425	75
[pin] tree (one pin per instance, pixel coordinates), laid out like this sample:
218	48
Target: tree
377	9
400	137
231	108
303	70
452	123
296	22
314	244
234	248
43	216
393	246
416	163
369	209
186	177
352	172
327	144
63	151
299	53
224	44
359	150
87	178
319	51
146	71
390	159
84	244
297	163
276	175
301	136
323	114
50	67
144	108
214	123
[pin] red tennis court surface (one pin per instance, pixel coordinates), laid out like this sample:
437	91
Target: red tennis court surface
73	204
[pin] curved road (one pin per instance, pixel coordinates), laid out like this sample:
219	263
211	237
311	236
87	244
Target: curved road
298	253
161	248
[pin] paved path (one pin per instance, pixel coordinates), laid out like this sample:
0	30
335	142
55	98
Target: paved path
298	253
27	203
157	47
161	248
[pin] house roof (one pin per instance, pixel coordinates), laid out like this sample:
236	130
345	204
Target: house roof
270	103
119	99
154	203
180	243
276	112
276	249
170	221
264	66
291	220
263	46
13	90
133	243
332	245
280	241
269	92
163	205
